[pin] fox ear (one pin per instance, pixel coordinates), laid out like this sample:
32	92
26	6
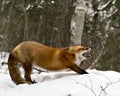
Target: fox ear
69	49
69	52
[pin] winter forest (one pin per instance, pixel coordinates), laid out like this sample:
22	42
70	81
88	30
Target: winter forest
51	22
63	23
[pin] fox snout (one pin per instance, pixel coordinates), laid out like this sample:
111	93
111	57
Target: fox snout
88	48
87	53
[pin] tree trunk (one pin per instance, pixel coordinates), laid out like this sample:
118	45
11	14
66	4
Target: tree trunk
77	23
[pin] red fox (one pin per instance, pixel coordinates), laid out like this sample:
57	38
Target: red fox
32	53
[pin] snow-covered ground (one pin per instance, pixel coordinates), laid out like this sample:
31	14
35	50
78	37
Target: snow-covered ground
96	83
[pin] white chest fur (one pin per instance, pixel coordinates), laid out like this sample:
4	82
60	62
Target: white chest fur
79	58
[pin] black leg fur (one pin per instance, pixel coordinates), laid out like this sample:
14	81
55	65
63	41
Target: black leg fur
77	69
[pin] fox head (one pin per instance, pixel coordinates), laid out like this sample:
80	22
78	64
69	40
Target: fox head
78	53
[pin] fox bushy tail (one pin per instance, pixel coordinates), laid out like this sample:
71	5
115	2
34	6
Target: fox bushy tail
14	71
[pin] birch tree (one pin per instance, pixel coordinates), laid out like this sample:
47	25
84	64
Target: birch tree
77	22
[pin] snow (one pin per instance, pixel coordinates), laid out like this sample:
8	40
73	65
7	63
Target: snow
96	83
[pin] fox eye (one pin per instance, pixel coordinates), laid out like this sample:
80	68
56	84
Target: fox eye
80	49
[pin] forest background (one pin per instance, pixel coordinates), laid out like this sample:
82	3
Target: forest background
49	22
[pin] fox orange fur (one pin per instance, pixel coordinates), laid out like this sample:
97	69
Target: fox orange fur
32	53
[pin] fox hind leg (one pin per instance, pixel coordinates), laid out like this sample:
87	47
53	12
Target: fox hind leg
28	69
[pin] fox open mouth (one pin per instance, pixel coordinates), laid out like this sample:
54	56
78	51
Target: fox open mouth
83	56
87	53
